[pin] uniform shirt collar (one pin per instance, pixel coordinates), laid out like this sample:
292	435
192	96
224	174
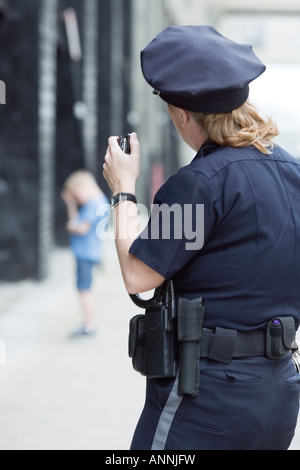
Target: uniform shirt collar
208	147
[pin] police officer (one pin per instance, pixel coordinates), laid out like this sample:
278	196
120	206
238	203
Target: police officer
247	269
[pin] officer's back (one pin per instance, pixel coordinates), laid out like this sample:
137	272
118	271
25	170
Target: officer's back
249	266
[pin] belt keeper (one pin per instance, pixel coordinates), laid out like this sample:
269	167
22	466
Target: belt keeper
222	345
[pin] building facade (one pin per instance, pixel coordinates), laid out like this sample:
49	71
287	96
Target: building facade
70	70
71	75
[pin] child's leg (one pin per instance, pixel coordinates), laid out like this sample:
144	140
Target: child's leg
87	304
84	282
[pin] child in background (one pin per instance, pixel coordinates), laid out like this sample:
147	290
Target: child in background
82	196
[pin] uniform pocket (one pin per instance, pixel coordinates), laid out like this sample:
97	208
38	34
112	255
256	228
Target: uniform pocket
207	427
230	376
293	380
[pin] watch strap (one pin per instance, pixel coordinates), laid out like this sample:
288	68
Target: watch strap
121	197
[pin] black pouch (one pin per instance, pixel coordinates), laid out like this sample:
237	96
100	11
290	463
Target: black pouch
280	337
137	343
160	342
152	336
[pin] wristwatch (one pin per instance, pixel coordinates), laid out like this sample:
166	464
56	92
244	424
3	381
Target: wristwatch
121	197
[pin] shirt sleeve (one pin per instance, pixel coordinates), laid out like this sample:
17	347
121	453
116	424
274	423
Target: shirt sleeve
183	215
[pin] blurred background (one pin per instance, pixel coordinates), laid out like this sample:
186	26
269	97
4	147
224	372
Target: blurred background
72	75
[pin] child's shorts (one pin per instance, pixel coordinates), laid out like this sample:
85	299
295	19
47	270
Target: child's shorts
84	274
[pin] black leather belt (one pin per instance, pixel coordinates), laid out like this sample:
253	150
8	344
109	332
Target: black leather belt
223	345
275	341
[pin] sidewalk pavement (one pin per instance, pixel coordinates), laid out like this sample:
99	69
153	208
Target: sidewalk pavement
62	394
59	394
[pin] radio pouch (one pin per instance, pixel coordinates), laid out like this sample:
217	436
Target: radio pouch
152	336
136	343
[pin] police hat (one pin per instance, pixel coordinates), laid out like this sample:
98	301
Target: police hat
198	69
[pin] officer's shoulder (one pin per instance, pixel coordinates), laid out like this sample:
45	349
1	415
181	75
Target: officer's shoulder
224	159
203	169
212	169
219	159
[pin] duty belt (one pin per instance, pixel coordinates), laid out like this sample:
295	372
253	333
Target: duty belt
169	341
222	345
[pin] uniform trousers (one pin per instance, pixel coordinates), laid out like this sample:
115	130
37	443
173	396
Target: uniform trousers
250	404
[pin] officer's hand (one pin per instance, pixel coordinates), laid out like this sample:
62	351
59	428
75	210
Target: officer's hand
120	169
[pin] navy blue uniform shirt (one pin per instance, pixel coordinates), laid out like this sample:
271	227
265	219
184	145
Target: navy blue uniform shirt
248	270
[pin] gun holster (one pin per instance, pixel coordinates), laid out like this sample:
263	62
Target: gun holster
152	336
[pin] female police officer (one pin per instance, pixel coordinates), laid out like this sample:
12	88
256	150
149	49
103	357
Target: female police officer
248	267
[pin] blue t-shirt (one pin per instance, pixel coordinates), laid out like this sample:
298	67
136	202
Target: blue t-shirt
248	269
89	246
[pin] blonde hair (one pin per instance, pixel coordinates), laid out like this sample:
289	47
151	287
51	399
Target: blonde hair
79	178
239	128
